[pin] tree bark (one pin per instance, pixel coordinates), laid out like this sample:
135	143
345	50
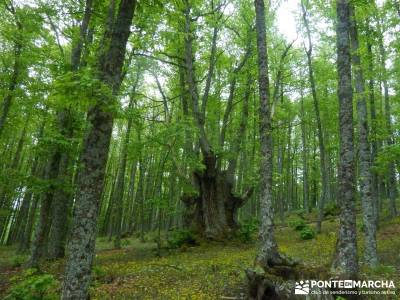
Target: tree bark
268	255
39	249
61	202
367	200
373	125
25	242
94	157
306	201
345	263
212	210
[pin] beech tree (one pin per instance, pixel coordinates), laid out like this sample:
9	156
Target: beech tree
345	262
94	155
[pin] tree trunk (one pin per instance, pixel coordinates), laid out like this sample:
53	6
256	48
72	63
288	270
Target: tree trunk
7	101
119	189
365	175
94	158
132	201
268	255
212	211
306	201
61	208
22	216
325	193
6	200
25	242
373	125
345	263
391	173
61	202
43	226
139	197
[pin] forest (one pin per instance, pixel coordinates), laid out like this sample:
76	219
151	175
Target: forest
187	149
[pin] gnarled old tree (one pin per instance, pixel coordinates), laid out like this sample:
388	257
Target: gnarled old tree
212	209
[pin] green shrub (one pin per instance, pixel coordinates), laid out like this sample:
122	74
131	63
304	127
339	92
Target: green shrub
382	270
18	261
331	209
297	224
179	237
307	233
125	242
34	286
248	230
98	272
300	213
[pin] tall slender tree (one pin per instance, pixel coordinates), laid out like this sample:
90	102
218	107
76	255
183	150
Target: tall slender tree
325	194
345	262
365	178
268	255
94	157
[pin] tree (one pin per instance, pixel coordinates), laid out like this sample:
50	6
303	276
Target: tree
94	157
268	255
325	195
14	80
345	262
367	198
213	203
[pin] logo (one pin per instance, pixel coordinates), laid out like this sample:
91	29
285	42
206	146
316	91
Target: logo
302	287
345	287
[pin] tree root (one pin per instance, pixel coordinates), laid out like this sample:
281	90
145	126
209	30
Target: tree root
278	281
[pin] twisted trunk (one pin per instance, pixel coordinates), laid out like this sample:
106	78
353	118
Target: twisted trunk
212	210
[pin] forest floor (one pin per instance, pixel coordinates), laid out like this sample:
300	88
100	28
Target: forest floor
207	271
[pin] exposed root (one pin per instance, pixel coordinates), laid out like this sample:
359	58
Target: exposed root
278	281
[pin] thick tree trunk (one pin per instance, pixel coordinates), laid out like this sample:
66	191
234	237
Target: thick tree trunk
94	158
345	263
367	200
213	211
